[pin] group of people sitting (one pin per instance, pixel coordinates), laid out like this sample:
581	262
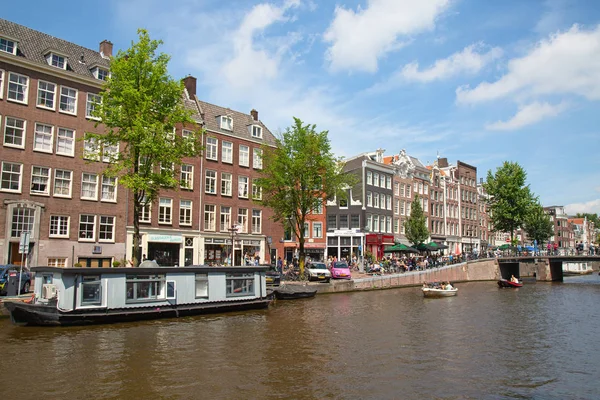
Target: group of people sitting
438	285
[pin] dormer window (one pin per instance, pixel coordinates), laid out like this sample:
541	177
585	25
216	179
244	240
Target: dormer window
100	73
8	46
226	122
256	131
56	60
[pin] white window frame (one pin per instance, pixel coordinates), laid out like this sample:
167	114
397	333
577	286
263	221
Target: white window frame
226	123
185	212
212	148
23	132
110	153
243	219
62	140
186	177
244	155
55	186
256	190
256	131
79	231
96	73
226	152
56	60
225	218
86	179
4	44
375	179
256	221
2	79
243	183
317	230
40	173
16	84
210	217
388	182
69	98
40	132
92	99
102	223
257	162
108	182
58	262
91	149
20	173
146	211
60	222
46	92
210	181
369	199
165	204
226	184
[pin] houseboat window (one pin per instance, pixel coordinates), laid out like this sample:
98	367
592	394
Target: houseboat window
239	285
91	291
47	278
201	286
145	287
171	290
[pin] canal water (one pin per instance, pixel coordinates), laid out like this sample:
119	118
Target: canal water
537	342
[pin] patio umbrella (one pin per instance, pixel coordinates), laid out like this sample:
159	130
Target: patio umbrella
425	247
505	246
457	249
399	247
437	246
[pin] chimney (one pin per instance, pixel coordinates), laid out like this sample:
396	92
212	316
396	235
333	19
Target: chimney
443	162
254	114
190	85
106	48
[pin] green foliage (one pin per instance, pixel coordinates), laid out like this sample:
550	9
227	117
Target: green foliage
510	200
538	224
141	107
416	224
299	174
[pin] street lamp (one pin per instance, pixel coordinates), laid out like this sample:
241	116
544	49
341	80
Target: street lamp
233	230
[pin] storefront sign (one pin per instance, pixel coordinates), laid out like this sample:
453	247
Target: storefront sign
252	242
314	245
346	232
165	238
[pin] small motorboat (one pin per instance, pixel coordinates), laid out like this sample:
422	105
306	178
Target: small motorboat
436	290
505	283
289	292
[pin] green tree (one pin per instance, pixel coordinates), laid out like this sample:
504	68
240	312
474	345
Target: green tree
538	224
298	175
416	224
509	198
141	105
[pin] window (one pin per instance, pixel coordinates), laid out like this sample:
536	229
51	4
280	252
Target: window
256	190
11	177
68	100
376	200
388	202
89	186
256	221
227	152
109	189
369	226
22	221
40	180
225	184
209	217
8	46
56	61
226	123
375	179
244	156
2	78
318	208
211	182
62	183
397	207
165	211
100	73
185	212
243	219
243	187
257	159
56	262
256	131
46	95
146	212
42	138
344	221
225	218
18	87
331	222
369	199
144	287
110	153
201	286
382	181
239	285
59	226
91	149
211	148
306	230
87	227
186	177
354	221
14	132
106	231
189	137
93	100
91	291
369	178
317	230
65	139
388	182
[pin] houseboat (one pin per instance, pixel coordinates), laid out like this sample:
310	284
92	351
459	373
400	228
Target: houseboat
80	296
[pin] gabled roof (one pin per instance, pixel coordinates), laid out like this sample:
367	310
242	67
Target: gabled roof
34	46
576	221
241	121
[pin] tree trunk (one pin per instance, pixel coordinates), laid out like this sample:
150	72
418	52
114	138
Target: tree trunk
136	229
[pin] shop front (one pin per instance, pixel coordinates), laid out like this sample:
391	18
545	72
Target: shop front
376	242
344	244
218	250
165	249
315	251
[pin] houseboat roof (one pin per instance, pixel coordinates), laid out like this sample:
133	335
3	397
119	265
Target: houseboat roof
154	270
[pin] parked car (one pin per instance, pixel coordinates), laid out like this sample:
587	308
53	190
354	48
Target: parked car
317	271
340	270
273	276
13	272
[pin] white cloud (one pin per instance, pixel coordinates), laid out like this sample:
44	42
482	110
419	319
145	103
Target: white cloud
527	115
470	60
591	207
565	63
358	39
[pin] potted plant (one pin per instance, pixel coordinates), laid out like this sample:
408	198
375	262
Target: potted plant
77	265
116	264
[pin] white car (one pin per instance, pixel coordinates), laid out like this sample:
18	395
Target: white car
317	271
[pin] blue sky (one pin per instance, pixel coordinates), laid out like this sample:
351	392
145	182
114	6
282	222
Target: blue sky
478	81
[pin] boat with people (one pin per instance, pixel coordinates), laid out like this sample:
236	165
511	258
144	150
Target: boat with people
510	283
436	289
82	296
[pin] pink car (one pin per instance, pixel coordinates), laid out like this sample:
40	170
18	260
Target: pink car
340	270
